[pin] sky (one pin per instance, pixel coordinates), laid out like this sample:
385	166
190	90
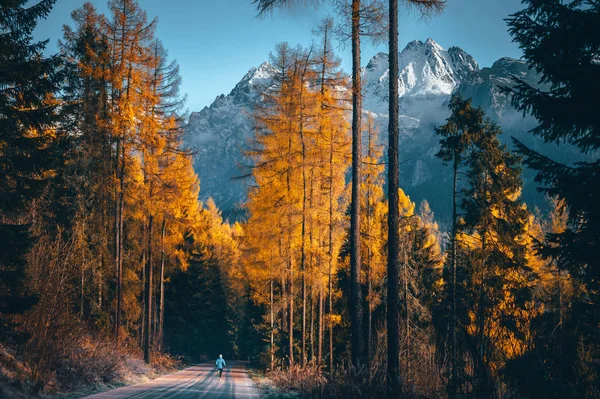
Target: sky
216	42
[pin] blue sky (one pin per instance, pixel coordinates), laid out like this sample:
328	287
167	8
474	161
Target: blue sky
217	41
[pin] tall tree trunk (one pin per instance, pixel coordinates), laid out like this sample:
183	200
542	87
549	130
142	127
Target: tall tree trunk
272	331
407	319
144	261
355	288
560	331
100	286
330	257
330	322
453	382
393	307
369	322
148	342
311	301
283	297
481	371
369	337
120	257
117	240
291	313
161	312
303	252
81	299
291	268
320	333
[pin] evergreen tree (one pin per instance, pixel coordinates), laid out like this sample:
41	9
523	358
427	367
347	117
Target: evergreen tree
88	170
464	122
28	116
495	221
560	41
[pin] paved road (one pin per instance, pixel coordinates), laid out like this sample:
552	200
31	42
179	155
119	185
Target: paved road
200	381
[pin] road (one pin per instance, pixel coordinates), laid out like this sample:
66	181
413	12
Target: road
200	381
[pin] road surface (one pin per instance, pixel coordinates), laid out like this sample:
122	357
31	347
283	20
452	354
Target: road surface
200	381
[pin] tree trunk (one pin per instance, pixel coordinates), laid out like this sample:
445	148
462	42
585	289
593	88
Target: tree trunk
143	324
330	257
117	240
148	342
82	293
161	312
272	331
355	288
453	382
303	253
320	334
407	319
369	338
393	307
291	313
311	300
120	258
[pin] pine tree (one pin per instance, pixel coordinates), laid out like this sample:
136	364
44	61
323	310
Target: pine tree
89	171
560	41
464	122
28	119
497	285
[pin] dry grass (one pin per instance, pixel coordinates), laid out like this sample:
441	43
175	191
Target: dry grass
87	364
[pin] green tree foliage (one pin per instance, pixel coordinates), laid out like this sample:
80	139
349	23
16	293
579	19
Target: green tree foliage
28	113
489	278
560	41
497	274
457	133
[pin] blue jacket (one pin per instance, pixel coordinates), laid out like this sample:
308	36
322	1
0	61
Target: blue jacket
220	363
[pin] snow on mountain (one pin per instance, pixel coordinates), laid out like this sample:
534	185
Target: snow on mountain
218	134
429	74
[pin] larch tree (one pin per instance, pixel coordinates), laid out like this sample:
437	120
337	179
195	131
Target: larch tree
366	18
333	145
129	34
373	215
276	152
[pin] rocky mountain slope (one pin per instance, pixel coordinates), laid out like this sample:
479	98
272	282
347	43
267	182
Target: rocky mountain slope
429	74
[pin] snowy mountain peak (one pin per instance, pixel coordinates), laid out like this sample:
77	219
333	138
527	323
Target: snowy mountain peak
426	69
433	44
464	63
380	60
429	74
253	83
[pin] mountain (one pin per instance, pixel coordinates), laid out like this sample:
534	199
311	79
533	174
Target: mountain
429	75
217	135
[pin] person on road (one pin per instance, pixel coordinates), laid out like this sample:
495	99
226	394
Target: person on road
220	365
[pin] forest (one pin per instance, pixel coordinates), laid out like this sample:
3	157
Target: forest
334	283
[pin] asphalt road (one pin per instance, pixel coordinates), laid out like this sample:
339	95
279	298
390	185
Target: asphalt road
200	381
